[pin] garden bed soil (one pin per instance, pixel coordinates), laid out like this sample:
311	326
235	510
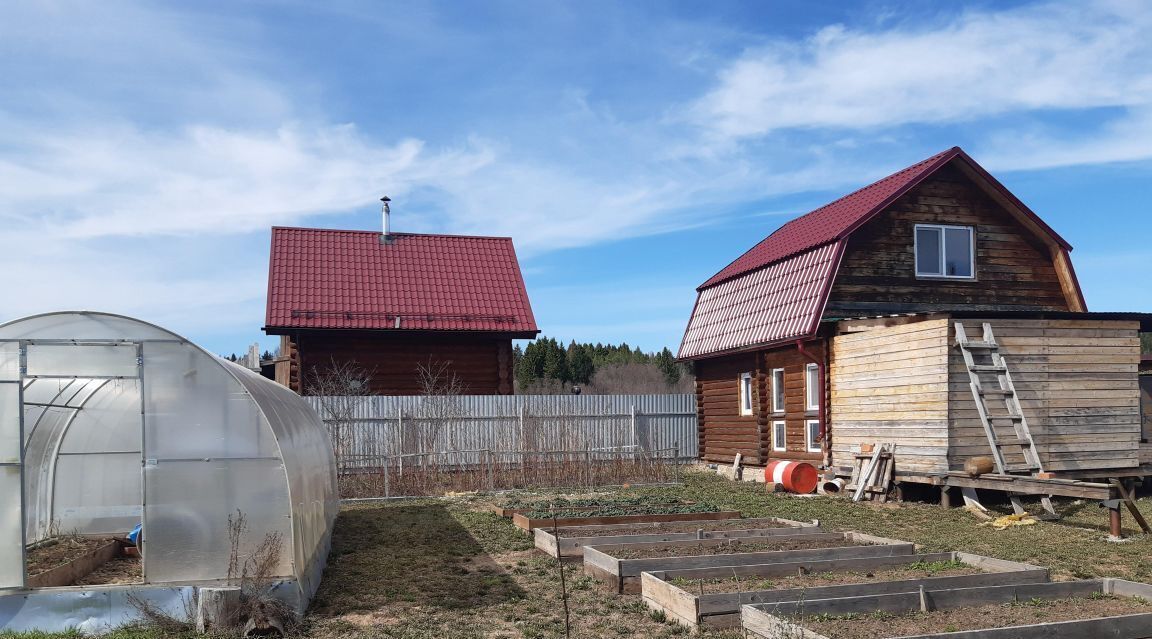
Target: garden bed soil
735	546
522	521
116	571
873	626
681	527
62	550
830	578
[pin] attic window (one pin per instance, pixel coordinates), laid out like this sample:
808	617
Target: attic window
945	251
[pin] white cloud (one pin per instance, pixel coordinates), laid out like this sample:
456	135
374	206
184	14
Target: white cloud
1049	56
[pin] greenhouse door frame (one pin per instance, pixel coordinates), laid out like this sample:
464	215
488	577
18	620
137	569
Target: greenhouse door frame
57	371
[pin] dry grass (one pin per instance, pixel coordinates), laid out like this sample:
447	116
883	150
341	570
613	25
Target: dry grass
439	568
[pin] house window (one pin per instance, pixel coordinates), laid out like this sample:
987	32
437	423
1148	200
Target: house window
746	394
812	390
812	435
777	390
944	251
779	436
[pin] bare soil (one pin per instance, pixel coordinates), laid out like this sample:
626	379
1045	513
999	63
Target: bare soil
813	580
120	570
63	550
990	616
670	527
760	544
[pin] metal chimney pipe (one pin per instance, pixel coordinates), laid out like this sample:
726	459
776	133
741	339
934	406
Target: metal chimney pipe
386	238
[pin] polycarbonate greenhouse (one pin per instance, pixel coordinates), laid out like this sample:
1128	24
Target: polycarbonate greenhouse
107	422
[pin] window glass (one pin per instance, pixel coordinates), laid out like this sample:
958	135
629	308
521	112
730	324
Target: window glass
928	251
813	433
779	433
812	384
958	252
746	394
778	390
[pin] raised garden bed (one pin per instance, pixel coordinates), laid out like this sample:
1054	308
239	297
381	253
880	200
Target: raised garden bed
512	507
699	512
618	567
1111	608
573	539
67	560
712	597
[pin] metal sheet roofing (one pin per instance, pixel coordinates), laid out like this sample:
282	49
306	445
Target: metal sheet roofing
762	296
332	279
780	302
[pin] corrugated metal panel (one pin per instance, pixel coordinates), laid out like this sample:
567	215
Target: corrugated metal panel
373	426
778	302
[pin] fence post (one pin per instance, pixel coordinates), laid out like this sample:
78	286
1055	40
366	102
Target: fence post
491	471
400	436
588	465
676	461
523	442
387	488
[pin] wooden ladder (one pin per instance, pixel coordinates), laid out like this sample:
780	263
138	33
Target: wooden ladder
1006	390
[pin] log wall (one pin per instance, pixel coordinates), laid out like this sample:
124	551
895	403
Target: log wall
796	413
1078	387
482	363
890	385
1014	270
724	432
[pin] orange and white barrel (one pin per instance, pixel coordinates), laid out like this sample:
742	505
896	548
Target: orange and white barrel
794	476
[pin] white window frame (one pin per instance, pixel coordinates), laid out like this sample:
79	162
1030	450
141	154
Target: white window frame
779	444
943	259
809	444
746	403
777	390
811	381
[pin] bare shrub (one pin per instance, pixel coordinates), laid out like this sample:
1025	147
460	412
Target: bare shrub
635	379
256	577
341	387
152	617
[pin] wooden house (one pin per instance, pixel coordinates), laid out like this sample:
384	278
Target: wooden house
841	329
394	303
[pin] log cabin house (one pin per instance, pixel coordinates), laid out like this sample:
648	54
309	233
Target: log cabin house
395	302
841	329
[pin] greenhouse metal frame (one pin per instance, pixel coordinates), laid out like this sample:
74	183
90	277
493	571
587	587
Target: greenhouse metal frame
107	422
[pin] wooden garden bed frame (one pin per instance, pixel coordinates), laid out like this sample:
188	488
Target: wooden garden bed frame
722	610
526	524
573	539
509	513
768	620
623	575
72	571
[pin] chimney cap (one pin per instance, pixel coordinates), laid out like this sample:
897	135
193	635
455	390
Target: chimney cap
385	199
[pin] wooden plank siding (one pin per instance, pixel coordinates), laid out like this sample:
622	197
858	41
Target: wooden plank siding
724	432
891	385
1014	270
1145	418
482	363
1077	383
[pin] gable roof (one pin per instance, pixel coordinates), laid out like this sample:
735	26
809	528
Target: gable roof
778	289
838	219
332	279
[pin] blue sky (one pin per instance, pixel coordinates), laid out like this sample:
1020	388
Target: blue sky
630	149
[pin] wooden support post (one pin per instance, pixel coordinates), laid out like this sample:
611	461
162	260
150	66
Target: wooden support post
1131	504
215	608
945	497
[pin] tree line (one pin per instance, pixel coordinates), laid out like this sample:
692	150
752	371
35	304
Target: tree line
545	365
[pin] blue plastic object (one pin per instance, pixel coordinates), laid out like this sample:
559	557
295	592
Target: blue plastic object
134	536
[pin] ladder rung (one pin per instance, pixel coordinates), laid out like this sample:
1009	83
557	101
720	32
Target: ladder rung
990	369
997	391
1014	418
986	345
1018	468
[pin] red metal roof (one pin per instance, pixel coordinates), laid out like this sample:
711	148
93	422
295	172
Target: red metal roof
778	289
330	279
780	302
838	219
